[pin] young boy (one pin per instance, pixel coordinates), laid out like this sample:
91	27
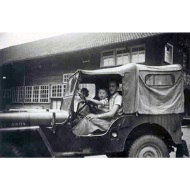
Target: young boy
102	104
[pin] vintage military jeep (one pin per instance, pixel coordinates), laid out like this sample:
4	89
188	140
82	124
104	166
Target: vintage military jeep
153	106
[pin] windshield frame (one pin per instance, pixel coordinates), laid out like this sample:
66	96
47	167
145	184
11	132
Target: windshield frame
68	98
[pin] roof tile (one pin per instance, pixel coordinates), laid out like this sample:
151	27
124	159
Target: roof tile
64	44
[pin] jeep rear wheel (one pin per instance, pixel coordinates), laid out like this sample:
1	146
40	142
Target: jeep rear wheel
148	146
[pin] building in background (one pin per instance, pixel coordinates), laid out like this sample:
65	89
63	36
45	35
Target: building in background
34	75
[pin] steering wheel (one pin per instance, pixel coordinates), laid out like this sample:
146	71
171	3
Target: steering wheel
91	106
85	104
77	112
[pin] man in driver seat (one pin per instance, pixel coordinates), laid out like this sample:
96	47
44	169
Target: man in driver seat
101	122
84	109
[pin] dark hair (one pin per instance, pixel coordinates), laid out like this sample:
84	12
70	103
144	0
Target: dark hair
85	91
103	89
116	82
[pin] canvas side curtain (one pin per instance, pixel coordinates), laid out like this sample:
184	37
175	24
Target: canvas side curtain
144	99
161	100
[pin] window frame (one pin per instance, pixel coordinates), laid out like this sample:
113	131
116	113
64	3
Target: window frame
138	46
121	49
19	94
156	85
41	92
102	57
16	94
56	91
55	102
66	80
115	55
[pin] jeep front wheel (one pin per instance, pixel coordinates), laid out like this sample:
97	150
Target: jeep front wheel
148	146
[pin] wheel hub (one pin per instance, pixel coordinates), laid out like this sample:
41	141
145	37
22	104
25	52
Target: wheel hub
148	152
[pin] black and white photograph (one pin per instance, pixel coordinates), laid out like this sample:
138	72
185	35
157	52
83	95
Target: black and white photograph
88	89
88	94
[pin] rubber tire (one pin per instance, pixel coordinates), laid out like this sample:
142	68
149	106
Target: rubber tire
147	141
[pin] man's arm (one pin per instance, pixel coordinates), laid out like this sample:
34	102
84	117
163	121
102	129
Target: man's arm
109	114
94	101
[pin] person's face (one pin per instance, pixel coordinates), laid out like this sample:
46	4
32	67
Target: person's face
82	95
113	88
102	94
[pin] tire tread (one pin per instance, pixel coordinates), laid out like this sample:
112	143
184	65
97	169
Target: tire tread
144	139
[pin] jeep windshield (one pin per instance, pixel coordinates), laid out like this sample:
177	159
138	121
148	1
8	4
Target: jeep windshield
70	90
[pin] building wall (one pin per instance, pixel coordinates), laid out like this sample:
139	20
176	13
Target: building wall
52	73
50	70
47	71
